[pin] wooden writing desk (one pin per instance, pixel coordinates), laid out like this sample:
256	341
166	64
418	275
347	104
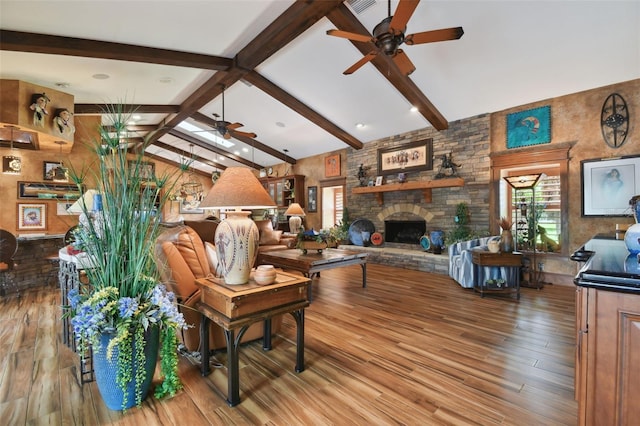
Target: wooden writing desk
236	307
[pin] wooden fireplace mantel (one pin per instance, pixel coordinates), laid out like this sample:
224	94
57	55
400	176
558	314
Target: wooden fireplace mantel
425	185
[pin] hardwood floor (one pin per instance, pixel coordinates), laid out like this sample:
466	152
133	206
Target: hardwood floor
411	348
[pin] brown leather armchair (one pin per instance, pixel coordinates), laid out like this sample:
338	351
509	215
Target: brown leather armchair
182	258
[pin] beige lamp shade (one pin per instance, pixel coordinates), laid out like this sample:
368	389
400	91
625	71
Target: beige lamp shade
237	188
86	200
294	210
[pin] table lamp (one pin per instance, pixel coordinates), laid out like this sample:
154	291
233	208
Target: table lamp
295	221
236	237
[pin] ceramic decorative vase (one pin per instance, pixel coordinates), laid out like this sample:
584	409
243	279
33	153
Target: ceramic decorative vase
106	370
437	241
632	236
506	241
264	274
236	246
295	222
493	246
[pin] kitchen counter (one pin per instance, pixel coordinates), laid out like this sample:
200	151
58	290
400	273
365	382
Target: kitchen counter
608	265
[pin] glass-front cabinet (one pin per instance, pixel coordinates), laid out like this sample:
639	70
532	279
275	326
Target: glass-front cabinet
285	190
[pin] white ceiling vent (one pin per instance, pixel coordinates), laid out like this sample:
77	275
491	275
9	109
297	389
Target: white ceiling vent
359	6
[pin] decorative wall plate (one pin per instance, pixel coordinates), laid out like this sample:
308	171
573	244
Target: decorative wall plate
425	243
376	239
356	228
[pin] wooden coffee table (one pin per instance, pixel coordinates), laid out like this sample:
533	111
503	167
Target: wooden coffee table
312	263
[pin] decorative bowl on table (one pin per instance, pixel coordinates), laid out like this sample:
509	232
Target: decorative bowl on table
264	274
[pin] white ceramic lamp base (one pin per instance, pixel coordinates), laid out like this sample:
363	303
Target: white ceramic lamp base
236	241
295	222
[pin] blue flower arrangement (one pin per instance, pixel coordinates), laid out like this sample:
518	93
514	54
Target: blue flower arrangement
124	297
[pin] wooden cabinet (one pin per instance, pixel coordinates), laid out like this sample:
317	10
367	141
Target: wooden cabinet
607	357
285	190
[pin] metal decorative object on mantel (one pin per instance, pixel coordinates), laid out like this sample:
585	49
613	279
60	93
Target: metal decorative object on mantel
448	168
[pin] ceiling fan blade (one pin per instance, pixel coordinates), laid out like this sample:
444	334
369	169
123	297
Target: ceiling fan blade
350	36
235	133
402	15
366	58
233	126
433	36
404	63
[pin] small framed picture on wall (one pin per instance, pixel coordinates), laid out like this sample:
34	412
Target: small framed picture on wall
332	165
32	217
312	202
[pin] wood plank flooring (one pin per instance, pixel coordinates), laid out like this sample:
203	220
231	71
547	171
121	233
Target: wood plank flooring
412	348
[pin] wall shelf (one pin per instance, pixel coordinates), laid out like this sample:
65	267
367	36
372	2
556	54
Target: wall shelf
424	185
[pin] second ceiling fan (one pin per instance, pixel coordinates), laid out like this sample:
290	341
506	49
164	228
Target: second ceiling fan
228	130
389	34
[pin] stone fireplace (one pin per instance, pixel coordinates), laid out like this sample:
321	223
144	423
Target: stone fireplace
404	231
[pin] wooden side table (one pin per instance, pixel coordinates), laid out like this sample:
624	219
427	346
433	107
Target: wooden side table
236	307
481	258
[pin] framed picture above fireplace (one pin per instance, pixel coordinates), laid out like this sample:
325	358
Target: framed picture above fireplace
411	157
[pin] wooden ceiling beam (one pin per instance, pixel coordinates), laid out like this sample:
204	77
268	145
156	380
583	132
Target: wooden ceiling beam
205	145
344	20
93	109
70	46
279	94
185	154
299	17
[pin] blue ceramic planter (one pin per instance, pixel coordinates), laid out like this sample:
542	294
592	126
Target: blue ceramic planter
106	370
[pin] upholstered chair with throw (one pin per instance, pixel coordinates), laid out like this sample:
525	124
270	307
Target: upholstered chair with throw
461	267
182	258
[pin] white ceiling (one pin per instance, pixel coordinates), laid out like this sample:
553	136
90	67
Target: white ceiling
512	53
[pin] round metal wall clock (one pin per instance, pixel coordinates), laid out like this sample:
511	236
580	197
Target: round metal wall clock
614	120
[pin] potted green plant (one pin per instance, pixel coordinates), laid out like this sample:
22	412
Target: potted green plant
124	308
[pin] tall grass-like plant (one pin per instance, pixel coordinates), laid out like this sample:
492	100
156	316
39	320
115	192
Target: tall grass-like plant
124	296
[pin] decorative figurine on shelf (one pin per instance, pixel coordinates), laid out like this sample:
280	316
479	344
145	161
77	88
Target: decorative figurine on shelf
362	174
39	103
62	122
402	177
448	168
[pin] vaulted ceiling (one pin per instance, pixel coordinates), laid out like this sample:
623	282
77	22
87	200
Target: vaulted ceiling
282	74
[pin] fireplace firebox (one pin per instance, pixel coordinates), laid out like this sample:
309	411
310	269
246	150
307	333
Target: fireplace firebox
404	231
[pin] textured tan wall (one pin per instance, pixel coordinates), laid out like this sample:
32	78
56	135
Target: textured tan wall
576	118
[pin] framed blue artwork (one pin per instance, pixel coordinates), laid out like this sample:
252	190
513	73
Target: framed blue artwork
530	127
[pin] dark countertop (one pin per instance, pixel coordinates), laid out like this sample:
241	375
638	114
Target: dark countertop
608	265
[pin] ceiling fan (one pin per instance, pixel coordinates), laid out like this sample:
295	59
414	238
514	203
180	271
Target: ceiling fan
226	129
389	34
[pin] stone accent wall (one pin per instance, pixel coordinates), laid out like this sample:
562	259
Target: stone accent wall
467	139
405	258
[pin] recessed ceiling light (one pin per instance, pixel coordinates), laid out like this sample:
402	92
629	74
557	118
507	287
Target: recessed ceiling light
221	158
359	125
236	152
414	109
101	76
136	117
280	124
245	149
